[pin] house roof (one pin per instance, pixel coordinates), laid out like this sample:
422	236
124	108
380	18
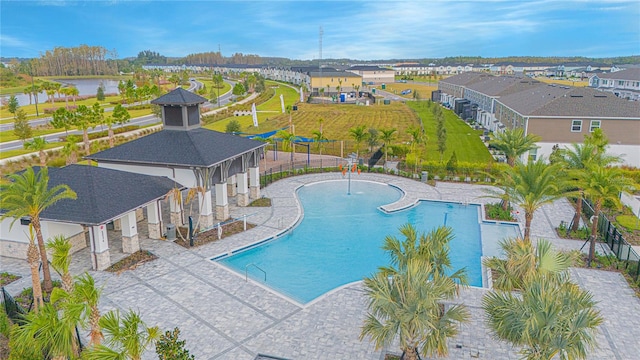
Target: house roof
197	147
465	78
627	74
499	85
549	100
103	194
368	68
179	96
333	73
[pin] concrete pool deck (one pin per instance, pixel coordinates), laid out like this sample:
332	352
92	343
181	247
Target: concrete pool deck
221	316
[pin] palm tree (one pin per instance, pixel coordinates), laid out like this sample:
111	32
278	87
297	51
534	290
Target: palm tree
38	144
319	138
550	317
51	331
514	143
524	261
73	91
408	305
84	118
33	258
359	134
61	260
27	194
86	293
602	184
387	136
532	185
576	159
70	151
127	337
432	248
288	142
417	136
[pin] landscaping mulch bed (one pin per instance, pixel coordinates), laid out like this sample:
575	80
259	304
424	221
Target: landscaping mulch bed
132	261
7	278
262	202
212	235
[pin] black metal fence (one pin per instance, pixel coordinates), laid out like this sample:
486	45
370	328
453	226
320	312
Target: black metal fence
13	310
624	252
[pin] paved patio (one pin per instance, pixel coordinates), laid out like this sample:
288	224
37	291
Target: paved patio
224	317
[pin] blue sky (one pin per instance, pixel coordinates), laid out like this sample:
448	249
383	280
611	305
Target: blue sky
365	30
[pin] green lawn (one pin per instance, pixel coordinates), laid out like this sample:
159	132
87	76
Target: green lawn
460	137
12	153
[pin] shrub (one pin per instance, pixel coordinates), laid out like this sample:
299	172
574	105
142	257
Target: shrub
496	212
169	347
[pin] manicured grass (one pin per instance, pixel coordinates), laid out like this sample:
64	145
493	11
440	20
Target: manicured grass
7	117
629	221
6	136
460	137
423	90
337	120
576	83
209	84
11	153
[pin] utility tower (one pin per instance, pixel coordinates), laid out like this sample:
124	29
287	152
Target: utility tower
320	58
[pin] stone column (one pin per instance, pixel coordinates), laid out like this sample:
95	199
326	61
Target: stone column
254	183
222	202
153	215
243	189
100	257
206	212
175	208
231	186
117	225
130	242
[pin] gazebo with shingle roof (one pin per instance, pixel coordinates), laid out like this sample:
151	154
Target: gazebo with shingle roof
193	157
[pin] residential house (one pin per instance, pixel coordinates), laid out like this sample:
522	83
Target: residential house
373	75
623	83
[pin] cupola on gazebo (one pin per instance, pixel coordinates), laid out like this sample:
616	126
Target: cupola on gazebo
193	157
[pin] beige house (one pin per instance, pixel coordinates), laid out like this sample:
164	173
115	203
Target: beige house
374	75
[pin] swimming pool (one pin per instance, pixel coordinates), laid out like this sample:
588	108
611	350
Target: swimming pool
339	239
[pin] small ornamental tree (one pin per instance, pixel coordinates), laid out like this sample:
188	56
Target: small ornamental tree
21	127
13	104
169	347
233	126
238	89
100	93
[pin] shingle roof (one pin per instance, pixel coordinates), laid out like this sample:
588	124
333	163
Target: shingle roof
330	73
197	147
179	96
627	74
367	68
549	100
499	85
586	102
465	78
103	194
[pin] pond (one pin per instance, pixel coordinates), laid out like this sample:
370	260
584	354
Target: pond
84	86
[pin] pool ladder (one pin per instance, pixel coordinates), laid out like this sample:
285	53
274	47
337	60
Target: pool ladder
246	272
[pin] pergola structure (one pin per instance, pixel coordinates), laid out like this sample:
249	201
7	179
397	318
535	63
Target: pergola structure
193	157
103	196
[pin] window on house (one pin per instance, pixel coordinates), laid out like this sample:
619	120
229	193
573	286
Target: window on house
576	126
620	83
595	124
533	154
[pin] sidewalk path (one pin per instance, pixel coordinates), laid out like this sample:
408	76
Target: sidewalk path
222	316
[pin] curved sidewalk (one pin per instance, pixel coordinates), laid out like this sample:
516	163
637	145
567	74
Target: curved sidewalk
222	316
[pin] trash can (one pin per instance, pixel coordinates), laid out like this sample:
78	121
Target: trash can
171	232
384	86
425	176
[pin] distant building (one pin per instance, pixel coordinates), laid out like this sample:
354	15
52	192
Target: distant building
560	115
623	83
373	75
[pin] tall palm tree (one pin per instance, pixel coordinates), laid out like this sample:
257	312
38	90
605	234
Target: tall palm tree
61	260
288	142
84	119
576	159
601	184
33	258
550	317
27	194
73	91
514	143
408	305
359	134
38	144
417	136
387	136
524	261
126	337
532	185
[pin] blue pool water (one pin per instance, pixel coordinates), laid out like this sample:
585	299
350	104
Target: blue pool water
339	238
